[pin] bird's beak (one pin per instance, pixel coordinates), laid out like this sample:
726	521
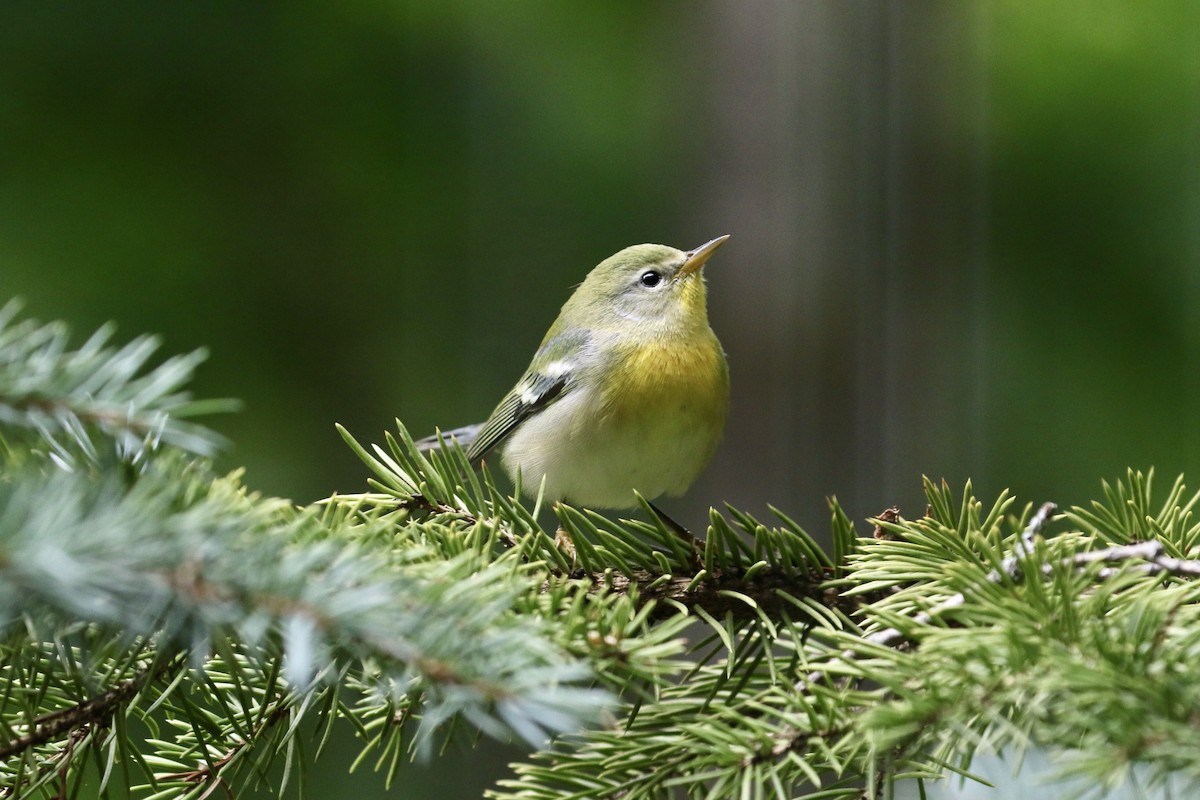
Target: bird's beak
696	258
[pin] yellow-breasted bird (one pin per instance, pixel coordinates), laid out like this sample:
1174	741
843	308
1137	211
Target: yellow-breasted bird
628	390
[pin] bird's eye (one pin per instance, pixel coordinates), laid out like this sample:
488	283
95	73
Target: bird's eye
650	278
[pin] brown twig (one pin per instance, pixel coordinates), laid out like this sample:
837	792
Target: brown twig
105	417
717	594
97	710
695	546
419	502
791	740
210	773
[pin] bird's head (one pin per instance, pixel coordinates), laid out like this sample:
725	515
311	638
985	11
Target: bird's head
646	284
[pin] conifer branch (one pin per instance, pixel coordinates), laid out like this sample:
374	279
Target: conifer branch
95	711
209	773
767	593
77	724
437	601
1152	552
1010	568
72	397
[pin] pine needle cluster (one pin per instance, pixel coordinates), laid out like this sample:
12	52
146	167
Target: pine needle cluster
167	631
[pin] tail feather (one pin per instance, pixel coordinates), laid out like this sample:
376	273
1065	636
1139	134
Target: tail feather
464	436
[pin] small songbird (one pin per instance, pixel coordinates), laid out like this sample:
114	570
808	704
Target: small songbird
629	389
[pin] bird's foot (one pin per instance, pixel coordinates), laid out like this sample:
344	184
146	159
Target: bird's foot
562	541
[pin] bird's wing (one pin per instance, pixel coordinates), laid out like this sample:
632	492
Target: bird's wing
538	388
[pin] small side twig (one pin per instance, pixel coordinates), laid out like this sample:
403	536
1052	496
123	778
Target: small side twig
1150	552
210	774
419	502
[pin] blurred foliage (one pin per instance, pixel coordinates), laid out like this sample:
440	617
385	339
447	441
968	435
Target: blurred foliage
1093	136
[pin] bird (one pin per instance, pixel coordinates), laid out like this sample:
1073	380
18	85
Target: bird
627	392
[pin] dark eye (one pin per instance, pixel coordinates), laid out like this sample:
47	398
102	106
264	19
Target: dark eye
650	278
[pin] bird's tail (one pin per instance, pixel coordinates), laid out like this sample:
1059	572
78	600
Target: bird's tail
464	436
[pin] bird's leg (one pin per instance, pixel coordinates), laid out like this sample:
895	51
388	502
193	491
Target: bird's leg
562	541
670	523
697	546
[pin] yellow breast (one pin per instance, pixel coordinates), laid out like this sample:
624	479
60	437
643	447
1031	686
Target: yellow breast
687	378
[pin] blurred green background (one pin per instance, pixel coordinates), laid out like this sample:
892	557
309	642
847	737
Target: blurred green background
966	236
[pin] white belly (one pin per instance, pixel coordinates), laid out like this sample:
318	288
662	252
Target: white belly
588	461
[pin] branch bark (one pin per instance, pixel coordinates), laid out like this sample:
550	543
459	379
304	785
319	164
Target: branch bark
98	710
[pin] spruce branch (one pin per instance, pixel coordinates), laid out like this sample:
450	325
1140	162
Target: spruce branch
95	711
642	661
198	563
1150	552
210	774
655	561
955	584
766	592
1010	568
78	400
217	565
